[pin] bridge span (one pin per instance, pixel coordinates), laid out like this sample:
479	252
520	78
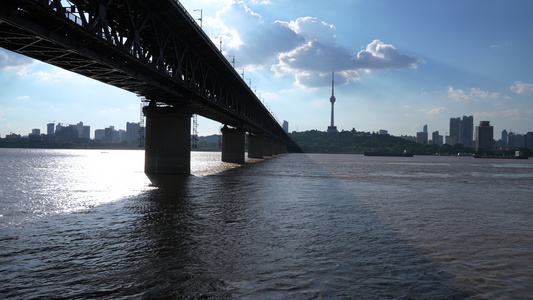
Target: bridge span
156	50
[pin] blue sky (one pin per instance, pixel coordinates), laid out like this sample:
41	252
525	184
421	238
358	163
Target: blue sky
398	65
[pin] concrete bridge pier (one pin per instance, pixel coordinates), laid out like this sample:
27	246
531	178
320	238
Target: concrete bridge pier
167	140
268	147
255	146
233	142
278	148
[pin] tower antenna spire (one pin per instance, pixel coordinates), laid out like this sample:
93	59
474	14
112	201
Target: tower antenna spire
332	99
333	83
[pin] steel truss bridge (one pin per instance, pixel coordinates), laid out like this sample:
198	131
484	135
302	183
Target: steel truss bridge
152	48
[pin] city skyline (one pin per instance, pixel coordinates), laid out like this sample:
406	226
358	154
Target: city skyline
396	68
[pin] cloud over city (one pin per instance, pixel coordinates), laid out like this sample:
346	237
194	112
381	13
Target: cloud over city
11	61
305	48
522	88
473	94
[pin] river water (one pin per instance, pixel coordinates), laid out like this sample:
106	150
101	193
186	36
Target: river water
90	224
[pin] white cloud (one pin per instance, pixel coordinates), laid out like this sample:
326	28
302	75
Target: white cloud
513	114
111	111
251	39
522	88
306	48
479	94
437	110
48	73
262	2
379	55
13	61
458	95
474	94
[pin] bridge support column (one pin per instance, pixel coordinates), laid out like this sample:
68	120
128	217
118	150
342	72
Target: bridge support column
255	146
267	147
233	145
167	142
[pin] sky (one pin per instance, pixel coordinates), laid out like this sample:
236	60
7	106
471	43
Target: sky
398	66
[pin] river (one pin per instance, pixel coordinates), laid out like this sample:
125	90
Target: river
90	224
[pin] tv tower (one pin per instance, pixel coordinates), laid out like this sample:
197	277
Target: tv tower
332	128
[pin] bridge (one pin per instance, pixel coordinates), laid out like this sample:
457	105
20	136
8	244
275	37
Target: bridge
156	50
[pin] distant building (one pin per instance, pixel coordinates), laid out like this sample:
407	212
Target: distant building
484	136
99	134
516	140
132	132
529	139
467	131
504	138
332	128
109	134
84	132
66	134
383	131
461	130
35	134
286	126
422	137
449	140
409	138
50	128
120	136
13	136
436	138
425	129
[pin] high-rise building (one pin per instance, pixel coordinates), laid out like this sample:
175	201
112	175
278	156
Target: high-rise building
462	130
285	126
99	134
455	130
332	99
484	136
422	137
467	131
529	139
50	128
109	134
425	129
517	140
504	138
86	133
132	132
435	138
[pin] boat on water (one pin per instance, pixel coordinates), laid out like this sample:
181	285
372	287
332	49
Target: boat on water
517	155
405	153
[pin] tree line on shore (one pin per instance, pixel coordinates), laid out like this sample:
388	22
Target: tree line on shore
312	141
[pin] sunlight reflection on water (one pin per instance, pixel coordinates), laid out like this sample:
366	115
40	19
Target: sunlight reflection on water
43	182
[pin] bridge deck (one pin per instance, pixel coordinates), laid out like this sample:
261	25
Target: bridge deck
151	48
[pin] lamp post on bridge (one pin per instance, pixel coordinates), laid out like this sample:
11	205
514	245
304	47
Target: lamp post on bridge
201	16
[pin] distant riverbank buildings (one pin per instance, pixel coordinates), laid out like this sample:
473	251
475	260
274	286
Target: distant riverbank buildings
514	140
80	133
461	131
484	136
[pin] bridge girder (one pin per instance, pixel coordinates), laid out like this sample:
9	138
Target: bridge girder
152	48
